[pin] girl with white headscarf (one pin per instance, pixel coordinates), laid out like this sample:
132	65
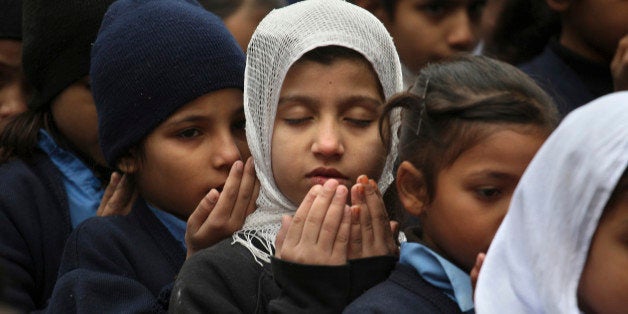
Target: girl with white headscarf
547	256
235	275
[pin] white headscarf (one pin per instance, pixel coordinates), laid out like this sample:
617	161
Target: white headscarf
537	256
282	37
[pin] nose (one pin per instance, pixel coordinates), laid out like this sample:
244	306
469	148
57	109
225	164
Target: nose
12	100
463	32
225	152
328	142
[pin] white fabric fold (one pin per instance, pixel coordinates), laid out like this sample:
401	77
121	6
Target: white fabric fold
537	256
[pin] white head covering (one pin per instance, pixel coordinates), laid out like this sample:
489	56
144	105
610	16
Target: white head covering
282	37
537	256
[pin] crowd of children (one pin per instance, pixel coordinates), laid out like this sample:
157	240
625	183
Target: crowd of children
317	156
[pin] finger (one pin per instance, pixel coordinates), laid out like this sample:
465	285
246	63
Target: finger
315	217
281	234
252	205
122	199
475	271
366	224
394	246
202	212
298	220
252	202
382	234
111	187
245	192
229	193
355	238
339	251
332	221
620	53
125	194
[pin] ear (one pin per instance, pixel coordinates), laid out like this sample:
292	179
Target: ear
559	5
375	7
129	163
411	188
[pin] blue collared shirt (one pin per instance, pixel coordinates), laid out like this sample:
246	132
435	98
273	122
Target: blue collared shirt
175	225
440	273
84	190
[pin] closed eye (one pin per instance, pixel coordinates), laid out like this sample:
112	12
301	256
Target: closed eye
296	121
359	122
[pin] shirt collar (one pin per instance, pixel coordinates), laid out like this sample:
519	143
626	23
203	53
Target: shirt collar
440	273
83	189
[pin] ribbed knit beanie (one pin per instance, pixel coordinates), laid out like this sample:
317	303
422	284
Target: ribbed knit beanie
11	19
152	57
56	42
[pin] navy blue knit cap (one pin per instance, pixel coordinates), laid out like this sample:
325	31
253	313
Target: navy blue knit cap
152	57
11	19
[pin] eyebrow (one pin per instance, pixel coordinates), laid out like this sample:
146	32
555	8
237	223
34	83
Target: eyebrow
188	119
493	174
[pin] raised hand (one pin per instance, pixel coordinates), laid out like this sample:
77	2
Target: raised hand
372	233
475	271
318	234
119	196
220	214
619	65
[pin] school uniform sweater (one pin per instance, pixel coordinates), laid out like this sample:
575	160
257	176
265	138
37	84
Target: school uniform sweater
225	278
118	264
34	225
570	79
445	289
405	291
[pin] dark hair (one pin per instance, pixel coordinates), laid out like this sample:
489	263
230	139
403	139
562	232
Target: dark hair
522	30
457	103
20	137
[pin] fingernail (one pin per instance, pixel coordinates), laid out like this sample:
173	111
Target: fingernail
363	179
372	183
360	189
238	165
330	185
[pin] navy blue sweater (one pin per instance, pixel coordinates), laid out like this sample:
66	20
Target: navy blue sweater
571	80
34	225
118	264
405	291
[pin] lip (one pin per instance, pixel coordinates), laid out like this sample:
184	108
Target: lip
321	175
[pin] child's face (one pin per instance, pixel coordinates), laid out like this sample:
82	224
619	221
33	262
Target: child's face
603	284
192	152
472	195
594	27
430	30
326	127
12	89
75	116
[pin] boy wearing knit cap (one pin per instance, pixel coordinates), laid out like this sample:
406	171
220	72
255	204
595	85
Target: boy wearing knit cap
167	78
50	161
13	87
